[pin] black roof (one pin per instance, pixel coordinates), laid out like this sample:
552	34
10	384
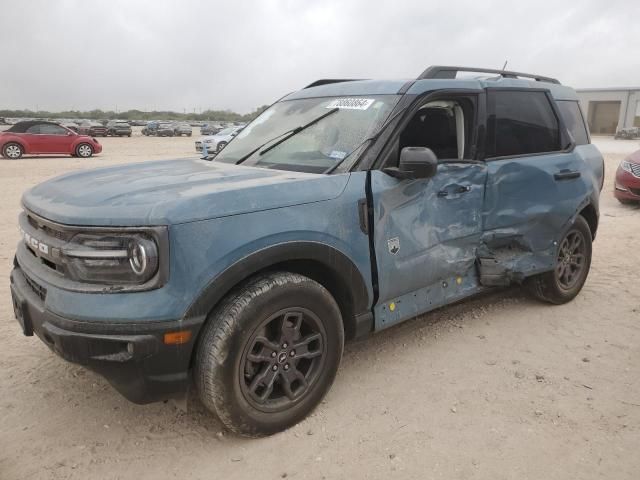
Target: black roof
22	127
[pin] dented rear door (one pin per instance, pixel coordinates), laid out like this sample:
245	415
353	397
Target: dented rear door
534	187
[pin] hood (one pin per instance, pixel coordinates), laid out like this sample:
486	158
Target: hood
174	191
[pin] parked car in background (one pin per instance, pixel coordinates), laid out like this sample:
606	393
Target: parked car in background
627	182
217	142
37	137
118	128
149	129
210	129
630	133
158	129
180	129
71	126
93	129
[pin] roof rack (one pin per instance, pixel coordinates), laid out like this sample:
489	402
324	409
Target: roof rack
439	71
326	81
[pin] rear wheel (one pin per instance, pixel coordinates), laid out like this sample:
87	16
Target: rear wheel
573	261
269	353
84	150
626	201
12	151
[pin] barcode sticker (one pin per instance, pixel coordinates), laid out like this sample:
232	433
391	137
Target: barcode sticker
351	103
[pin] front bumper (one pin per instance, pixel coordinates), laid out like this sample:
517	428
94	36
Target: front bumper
132	357
627	186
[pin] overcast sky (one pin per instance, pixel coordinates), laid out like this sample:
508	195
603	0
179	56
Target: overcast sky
186	55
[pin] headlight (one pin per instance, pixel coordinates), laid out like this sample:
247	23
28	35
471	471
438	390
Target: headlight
208	141
626	166
112	258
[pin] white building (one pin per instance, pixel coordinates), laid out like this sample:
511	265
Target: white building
610	109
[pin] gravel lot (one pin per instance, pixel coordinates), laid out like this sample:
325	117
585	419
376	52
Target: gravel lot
499	387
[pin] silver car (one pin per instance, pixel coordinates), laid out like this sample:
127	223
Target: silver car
215	143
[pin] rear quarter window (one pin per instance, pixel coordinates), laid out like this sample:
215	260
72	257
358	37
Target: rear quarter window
574	121
521	123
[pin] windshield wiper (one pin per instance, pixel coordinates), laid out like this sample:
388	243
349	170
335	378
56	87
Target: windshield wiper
289	133
260	146
299	129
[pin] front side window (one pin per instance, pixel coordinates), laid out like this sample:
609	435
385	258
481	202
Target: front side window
47	129
444	126
521	123
341	126
574	121
33	129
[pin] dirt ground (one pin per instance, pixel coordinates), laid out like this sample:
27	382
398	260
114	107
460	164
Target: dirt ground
499	387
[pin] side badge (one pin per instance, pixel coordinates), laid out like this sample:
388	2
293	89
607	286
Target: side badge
394	245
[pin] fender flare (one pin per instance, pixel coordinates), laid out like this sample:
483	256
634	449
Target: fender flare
323	263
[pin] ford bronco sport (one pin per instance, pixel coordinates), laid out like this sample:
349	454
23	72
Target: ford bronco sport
345	208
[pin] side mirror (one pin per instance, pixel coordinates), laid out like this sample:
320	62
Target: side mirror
415	162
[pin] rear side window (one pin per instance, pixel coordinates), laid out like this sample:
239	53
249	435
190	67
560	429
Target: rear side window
574	121
521	123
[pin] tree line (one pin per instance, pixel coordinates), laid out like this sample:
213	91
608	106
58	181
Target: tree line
207	115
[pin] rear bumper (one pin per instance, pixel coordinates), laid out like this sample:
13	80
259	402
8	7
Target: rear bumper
132	357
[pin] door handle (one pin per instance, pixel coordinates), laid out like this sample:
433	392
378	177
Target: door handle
566	175
457	190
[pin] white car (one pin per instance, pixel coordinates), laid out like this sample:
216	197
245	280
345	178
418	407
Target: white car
217	142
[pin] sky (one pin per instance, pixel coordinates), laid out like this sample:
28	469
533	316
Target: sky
193	55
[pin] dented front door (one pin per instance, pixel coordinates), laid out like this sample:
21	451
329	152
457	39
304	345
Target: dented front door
426	233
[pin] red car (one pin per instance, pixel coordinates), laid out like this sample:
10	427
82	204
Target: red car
36	137
627	186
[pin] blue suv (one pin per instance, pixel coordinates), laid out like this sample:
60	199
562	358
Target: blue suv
345	208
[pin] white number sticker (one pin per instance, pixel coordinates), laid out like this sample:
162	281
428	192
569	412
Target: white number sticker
351	103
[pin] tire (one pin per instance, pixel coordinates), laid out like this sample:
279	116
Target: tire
12	151
242	353
625	201
220	146
564	282
84	150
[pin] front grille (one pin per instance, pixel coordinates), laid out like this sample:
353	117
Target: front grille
38	289
635	169
47	229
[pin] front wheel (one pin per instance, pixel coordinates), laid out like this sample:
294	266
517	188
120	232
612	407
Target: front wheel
84	150
573	261
220	146
269	353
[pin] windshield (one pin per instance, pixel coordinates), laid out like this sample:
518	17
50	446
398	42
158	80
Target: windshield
227	131
317	148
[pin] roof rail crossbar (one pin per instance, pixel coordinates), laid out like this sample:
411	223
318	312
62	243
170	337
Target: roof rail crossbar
326	81
443	72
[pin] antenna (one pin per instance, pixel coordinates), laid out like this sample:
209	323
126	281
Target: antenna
504	67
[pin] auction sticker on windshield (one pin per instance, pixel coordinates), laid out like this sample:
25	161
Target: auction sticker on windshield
351	103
